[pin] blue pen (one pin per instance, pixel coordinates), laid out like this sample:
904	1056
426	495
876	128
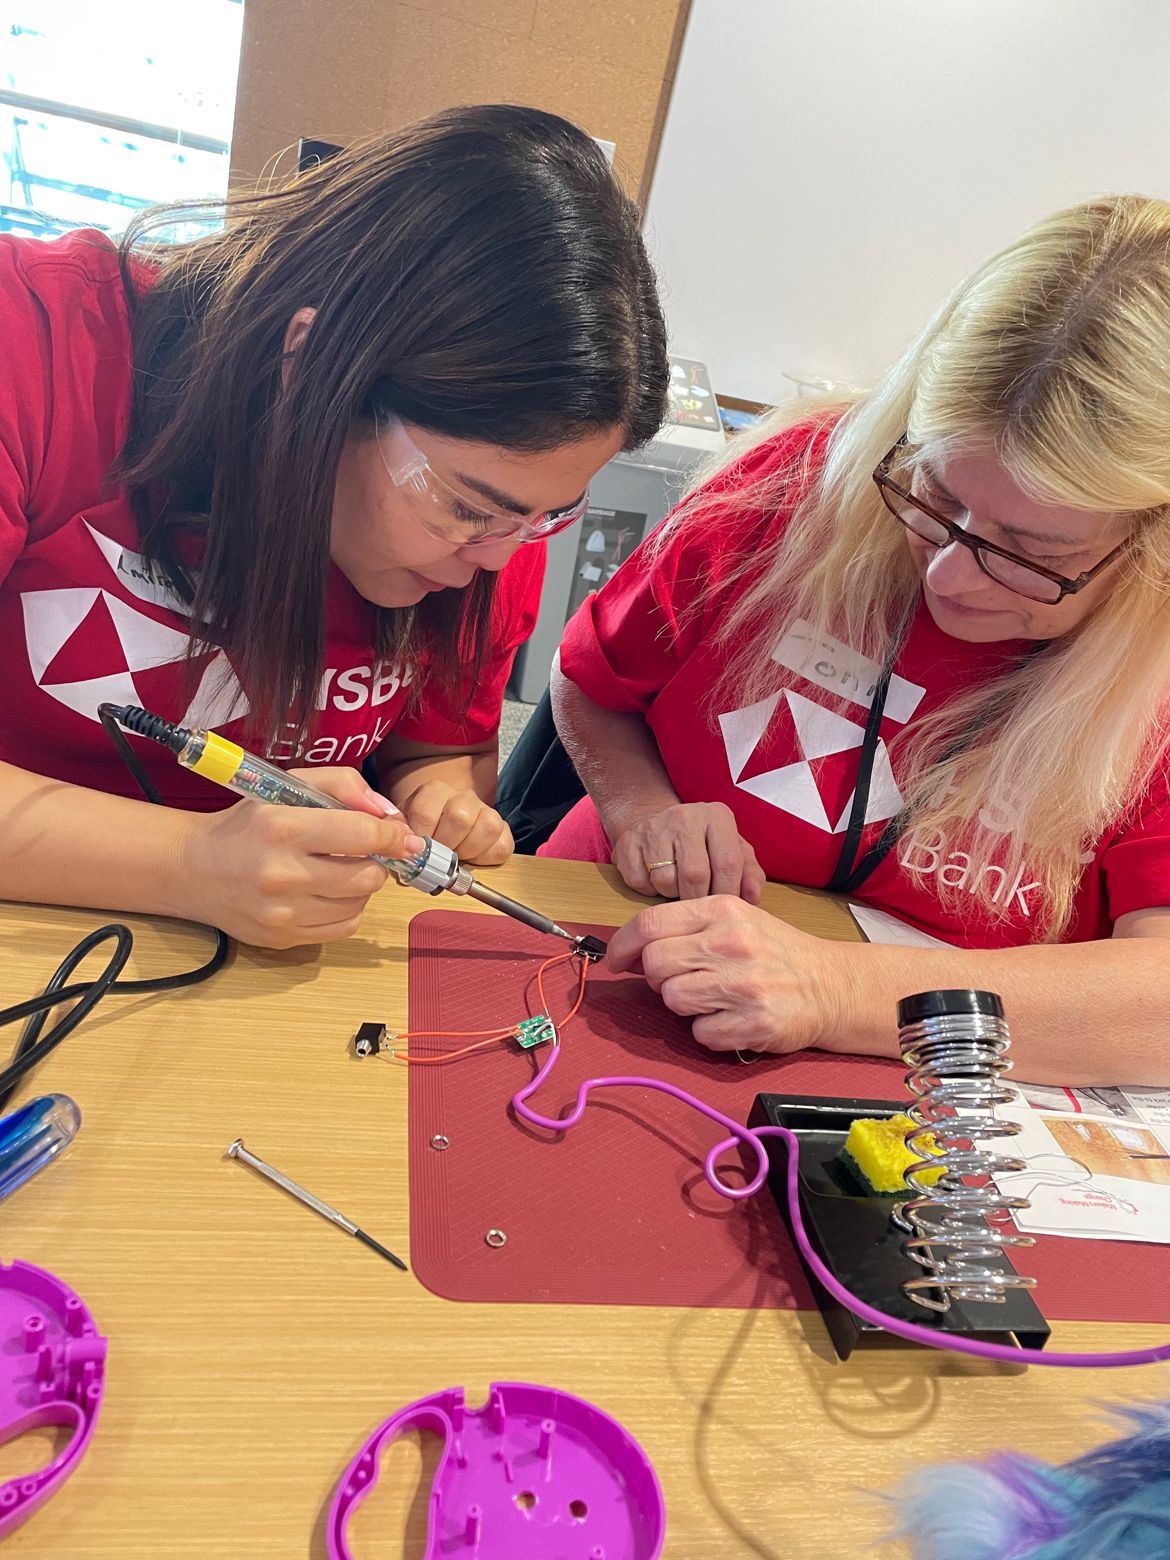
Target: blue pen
33	1136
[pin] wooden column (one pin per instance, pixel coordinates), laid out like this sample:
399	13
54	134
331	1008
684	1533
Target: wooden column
335	70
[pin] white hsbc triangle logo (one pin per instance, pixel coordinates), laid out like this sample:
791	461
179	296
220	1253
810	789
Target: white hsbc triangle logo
818	787
91	631
807	789
87	646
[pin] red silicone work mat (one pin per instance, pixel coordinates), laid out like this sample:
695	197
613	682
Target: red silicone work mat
616	1210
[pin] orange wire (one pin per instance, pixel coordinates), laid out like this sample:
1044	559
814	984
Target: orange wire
454	1034
447	1056
562	958
493	1036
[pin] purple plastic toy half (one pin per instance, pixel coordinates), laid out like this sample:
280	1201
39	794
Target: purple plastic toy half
534	1472
52	1372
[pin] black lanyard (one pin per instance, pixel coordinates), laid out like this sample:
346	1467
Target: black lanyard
850	873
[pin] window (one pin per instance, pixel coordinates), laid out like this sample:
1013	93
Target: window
108	108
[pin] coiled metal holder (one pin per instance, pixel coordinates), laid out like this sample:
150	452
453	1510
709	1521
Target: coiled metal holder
939	1256
955	1045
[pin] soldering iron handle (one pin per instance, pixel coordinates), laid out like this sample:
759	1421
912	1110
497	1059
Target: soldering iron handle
230	766
225	763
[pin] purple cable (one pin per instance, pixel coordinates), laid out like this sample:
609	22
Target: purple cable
741	1137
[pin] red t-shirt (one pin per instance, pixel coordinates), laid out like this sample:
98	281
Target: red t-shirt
787	765
83	618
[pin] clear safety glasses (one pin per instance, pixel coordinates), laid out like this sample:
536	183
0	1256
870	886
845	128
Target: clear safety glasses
454	516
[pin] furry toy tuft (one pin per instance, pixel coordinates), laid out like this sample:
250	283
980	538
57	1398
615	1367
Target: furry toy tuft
1112	1504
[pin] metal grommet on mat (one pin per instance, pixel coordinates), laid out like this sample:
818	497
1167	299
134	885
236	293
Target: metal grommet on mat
440	1141
495	1239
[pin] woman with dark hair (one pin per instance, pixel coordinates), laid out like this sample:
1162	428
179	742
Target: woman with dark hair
278	481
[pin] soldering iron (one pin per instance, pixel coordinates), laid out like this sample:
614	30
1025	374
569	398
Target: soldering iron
436	870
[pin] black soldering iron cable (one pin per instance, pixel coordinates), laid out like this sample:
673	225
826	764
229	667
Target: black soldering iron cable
33	1046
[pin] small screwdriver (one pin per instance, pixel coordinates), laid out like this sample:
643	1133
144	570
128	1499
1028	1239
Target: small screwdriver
237	1150
436	870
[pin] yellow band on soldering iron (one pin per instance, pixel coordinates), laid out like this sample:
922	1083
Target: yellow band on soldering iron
219	759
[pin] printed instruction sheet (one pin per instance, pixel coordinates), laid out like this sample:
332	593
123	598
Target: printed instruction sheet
1098	1158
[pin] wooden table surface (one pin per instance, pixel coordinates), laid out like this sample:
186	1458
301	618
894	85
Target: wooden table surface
254	1347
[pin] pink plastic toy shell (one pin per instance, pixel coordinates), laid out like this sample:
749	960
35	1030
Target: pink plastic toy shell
52	1372
534	1472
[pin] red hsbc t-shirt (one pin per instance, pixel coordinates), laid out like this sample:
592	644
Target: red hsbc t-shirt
84	619
787	765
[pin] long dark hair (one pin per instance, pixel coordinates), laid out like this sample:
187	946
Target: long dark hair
480	275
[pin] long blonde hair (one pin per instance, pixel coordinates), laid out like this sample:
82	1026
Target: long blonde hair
1055	358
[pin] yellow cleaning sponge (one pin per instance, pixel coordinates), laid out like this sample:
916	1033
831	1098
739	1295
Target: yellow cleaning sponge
876	1153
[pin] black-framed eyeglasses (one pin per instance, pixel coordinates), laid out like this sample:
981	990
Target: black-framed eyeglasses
1005	568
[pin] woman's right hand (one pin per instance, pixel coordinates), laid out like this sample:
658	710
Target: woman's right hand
278	877
703	851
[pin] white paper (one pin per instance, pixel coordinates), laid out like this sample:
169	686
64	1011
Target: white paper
1098	1161
1098	1158
881	927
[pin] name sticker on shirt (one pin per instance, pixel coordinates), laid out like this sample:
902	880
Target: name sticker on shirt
833	666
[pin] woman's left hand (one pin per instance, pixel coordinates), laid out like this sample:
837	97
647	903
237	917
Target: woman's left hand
461	820
750	982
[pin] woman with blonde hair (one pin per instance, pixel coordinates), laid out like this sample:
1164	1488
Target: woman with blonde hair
915	649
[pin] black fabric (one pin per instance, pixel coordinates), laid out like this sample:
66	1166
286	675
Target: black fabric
538	783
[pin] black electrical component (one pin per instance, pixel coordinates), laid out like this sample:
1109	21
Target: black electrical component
369	1040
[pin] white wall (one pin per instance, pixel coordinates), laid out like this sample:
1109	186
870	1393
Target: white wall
831	168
